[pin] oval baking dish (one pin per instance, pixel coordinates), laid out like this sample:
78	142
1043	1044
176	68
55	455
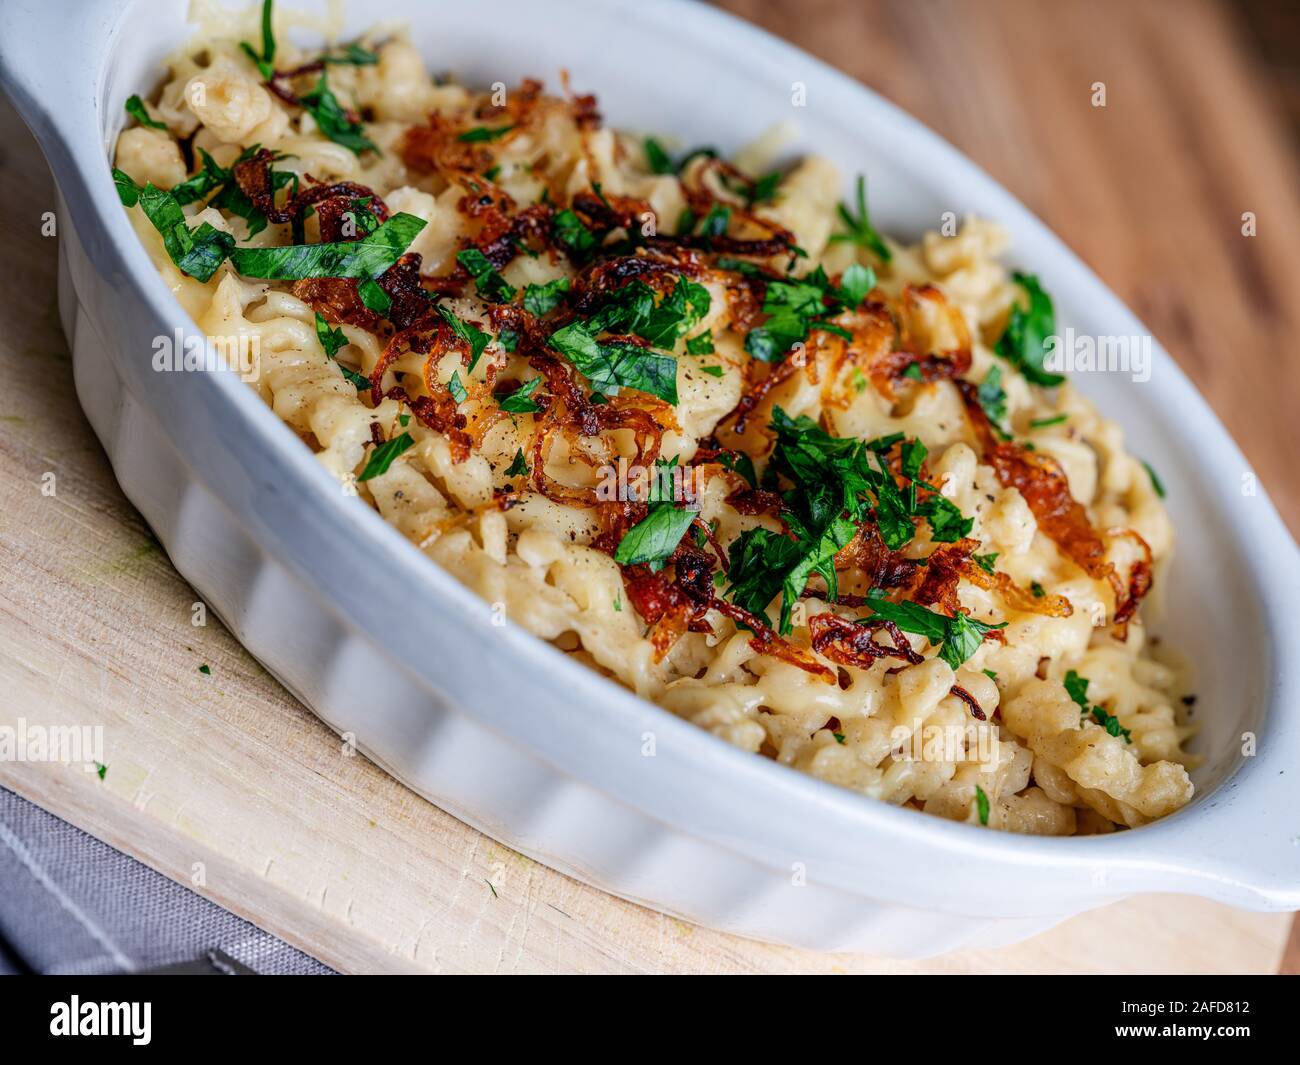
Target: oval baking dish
501	729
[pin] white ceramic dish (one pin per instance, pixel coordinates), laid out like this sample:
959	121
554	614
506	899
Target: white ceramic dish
499	728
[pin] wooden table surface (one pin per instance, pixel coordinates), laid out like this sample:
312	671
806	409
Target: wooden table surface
224	782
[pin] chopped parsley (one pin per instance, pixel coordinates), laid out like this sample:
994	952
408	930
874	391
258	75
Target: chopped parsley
985	562
860	231
713	371
135	108
101	770
383	455
1024	342
333	119
205	669
994	401
480	134
472	335
838	482
796	306
520	401
373	296
982	805
457	388
490	284
542	299
613	365
353	55
365	258
1156	483
652	540
1043	423
1077	688
700	345
508	339
331	339
657	159
518	468
265	62
957	637
197	252
570	234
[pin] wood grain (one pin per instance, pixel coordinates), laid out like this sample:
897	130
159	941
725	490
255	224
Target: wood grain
224	782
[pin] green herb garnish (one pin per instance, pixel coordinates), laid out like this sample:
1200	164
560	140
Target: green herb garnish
518	468
957	637
135	108
383	455
472	335
333	120
1024	342
1156	483
652	540
859	228
481	134
542	299
520	401
197	252
365	258
490	284
266	61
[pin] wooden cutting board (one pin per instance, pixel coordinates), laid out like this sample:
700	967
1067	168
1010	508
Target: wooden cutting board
221	780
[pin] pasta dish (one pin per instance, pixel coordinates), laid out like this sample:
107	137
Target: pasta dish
692	419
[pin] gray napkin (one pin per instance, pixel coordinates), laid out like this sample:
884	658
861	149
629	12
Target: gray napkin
72	904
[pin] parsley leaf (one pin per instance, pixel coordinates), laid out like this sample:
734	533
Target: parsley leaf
135	108
490	284
518	468
1156	483
700	345
266	61
353	55
520	401
373	297
331	339
957	637
333	120
1077	689
473	336
982	805
657	159
383	455
365	258
611	365
1024	342
859	229
480	134
653	539
574	237
542	299
994	401
197	252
